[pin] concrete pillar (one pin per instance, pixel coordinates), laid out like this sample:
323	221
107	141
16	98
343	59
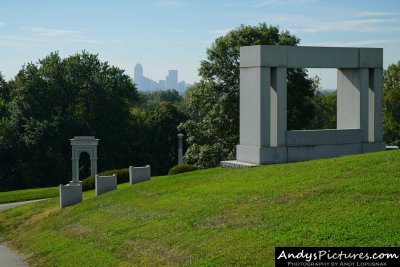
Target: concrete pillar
93	161
364	103
263	109
180	149
278	107
376	89
348	99
255	106
359	102
75	170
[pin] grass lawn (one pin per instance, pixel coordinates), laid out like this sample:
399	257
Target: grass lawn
217	216
28	194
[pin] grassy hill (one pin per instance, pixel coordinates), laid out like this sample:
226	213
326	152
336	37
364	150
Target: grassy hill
217	216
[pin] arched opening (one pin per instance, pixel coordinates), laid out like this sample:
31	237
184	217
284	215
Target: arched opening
88	160
84	165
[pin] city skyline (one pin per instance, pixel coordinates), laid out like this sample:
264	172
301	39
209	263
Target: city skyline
144	83
177	33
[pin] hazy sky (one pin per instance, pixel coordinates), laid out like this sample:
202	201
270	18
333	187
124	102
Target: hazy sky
166	34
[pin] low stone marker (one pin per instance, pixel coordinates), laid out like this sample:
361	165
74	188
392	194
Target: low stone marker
70	195
105	183
139	174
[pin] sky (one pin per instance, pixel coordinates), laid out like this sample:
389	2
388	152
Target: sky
175	34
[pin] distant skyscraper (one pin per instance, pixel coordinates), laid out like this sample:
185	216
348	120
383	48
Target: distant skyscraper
172	79
138	73
181	87
161	84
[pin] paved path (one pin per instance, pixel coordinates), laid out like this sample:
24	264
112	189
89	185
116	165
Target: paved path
8	257
16	204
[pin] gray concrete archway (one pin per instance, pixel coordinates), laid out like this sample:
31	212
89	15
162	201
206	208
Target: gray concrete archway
264	137
81	144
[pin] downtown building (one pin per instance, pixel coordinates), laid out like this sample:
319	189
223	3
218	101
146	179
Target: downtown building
144	83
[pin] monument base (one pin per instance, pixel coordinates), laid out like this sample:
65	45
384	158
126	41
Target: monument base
237	164
270	155
261	155
74	183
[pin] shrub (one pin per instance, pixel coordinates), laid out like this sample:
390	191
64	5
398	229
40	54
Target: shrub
182	168
122	177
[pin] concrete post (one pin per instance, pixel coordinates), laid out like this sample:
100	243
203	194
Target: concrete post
75	171
180	149
93	165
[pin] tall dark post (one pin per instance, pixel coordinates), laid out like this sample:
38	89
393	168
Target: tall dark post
180	152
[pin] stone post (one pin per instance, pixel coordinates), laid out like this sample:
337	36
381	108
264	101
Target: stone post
75	171
180	150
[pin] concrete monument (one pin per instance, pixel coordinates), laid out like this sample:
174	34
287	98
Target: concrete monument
264	138
83	144
105	184
70	195
139	174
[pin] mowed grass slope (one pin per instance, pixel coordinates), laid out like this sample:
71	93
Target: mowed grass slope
217	217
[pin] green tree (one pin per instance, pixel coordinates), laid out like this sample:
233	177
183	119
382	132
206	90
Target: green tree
391	104
151	100
155	137
325	111
8	138
325	107
164	146
213	103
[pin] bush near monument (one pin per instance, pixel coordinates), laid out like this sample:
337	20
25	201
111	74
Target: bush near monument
182	168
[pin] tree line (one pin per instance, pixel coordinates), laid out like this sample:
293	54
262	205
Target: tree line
50	101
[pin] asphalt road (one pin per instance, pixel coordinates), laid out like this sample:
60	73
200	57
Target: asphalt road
16	204
8	257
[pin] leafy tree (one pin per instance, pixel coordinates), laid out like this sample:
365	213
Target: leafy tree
213	103
391	104
151	100
155	137
325	107
164	146
325	111
7	137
